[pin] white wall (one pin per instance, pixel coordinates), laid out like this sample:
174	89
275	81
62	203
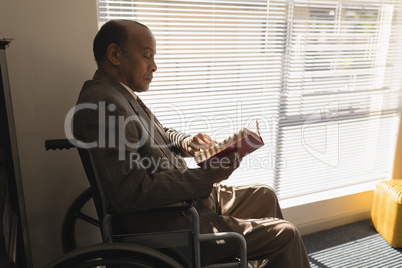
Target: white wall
48	61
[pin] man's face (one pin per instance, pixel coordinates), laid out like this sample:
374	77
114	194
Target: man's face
138	64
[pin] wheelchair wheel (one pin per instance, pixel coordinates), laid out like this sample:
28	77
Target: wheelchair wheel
74	214
114	255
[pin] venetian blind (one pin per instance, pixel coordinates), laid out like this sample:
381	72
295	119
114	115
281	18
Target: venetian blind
322	77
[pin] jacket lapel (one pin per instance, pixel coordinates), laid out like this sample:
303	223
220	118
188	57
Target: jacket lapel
156	135
159	137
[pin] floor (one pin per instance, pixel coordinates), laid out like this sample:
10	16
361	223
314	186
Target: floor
355	245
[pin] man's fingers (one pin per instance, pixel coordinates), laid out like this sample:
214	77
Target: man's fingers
199	145
208	139
202	141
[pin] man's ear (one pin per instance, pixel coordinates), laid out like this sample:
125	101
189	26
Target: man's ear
114	54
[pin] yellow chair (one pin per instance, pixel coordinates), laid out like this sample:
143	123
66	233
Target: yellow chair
386	213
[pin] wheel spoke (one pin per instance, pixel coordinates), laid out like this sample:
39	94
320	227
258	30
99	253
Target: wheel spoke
88	219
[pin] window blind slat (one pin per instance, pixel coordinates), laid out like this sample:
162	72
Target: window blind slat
322	77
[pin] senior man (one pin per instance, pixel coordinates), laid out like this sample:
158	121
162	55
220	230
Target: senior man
124	52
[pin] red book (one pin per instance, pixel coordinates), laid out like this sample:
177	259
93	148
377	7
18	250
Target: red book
243	142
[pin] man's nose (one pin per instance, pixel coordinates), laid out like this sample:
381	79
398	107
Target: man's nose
153	66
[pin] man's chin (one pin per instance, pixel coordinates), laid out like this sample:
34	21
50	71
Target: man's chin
141	89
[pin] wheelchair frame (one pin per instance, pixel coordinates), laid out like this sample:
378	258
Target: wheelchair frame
133	244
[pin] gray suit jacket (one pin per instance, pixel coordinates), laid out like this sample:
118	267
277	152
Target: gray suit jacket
138	166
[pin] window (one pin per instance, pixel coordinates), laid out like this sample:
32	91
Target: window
322	77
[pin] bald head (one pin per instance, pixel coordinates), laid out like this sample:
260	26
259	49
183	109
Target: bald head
125	50
116	32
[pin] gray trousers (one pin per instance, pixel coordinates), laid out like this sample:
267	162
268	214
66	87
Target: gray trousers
254	212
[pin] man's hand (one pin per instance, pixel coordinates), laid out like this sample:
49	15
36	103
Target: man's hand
197	143
223	167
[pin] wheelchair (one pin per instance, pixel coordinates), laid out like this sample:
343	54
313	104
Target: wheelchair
131	250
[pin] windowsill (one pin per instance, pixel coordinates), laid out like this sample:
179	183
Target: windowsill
326	195
320	211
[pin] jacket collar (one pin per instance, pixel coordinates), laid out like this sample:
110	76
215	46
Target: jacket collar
99	75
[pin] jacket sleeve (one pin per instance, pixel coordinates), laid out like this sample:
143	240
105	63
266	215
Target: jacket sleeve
175	138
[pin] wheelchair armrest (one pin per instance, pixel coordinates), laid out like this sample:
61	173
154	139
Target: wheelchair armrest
182	205
59	144
107	218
